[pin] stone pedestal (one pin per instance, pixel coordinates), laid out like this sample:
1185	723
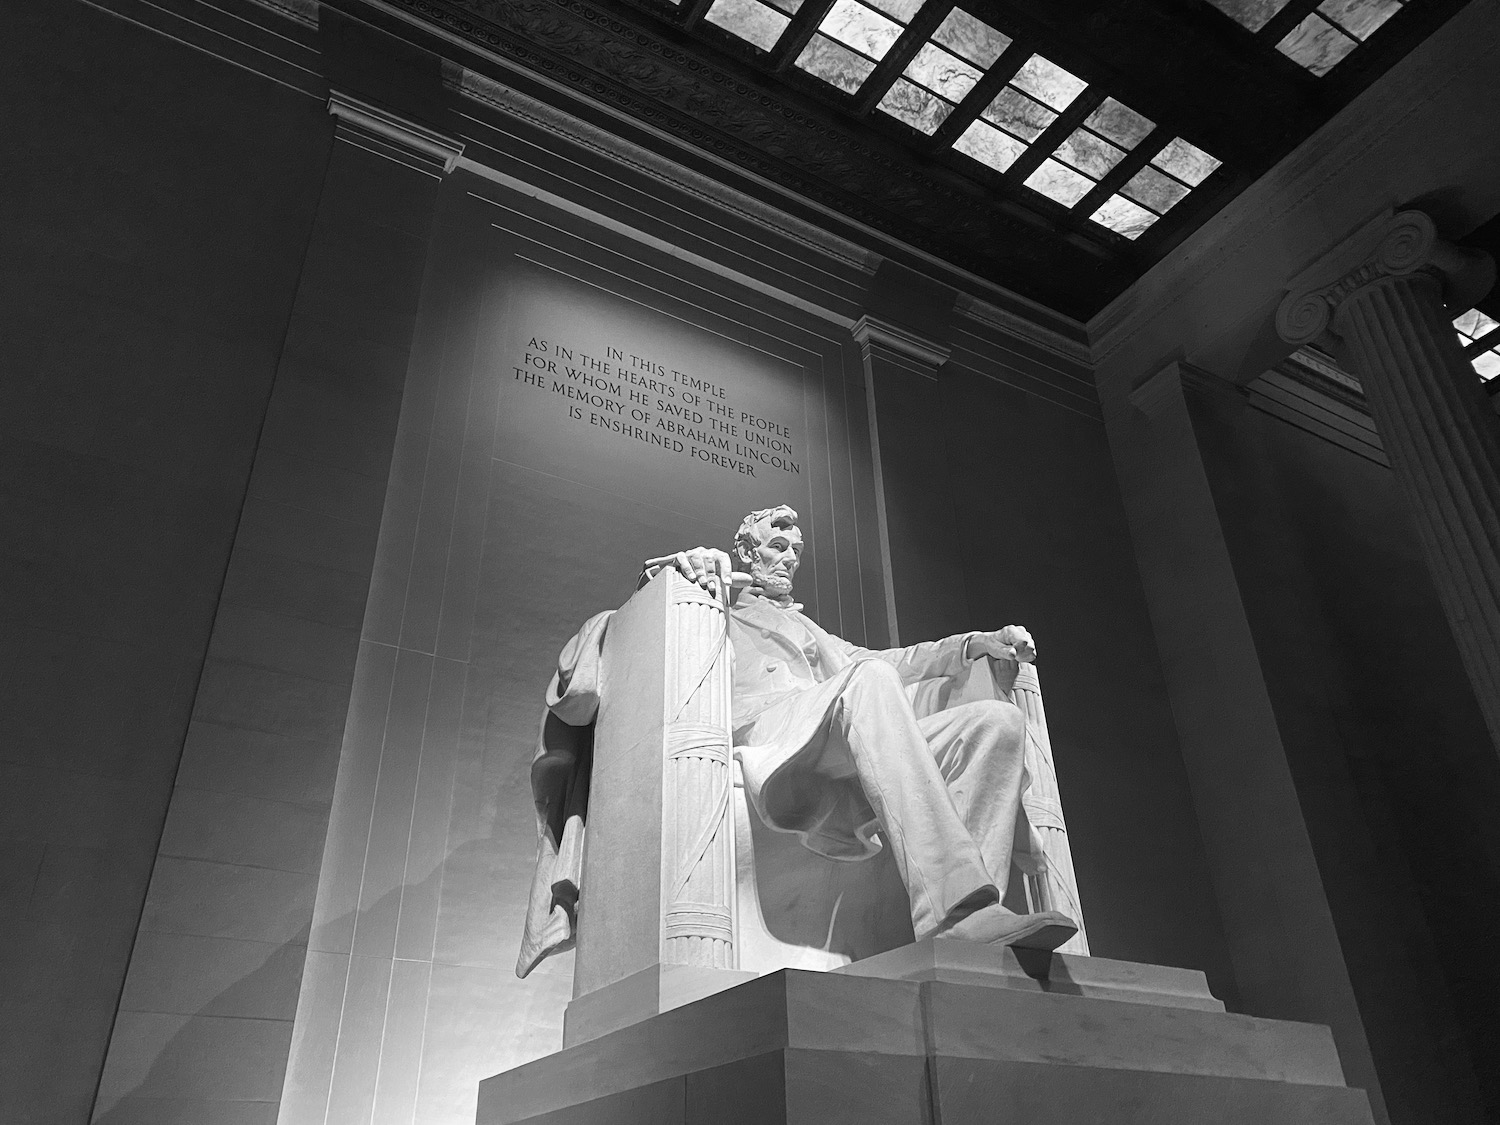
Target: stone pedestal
942	1031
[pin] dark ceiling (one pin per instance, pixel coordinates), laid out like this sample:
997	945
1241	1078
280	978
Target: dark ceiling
1194	71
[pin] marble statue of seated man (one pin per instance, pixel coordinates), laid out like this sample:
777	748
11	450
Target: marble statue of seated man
832	750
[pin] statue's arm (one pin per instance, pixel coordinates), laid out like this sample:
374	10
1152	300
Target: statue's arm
948	657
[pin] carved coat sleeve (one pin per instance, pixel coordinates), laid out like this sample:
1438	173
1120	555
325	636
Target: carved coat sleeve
924	661
560	789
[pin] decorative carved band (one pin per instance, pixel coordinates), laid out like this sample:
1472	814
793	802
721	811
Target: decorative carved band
699	920
697	740
361	115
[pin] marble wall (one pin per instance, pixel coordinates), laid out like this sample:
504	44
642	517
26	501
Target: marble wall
154	232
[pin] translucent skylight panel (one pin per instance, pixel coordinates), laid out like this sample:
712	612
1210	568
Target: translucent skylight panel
919	108
1359	18
1119	123
1317	45
1188	163
971	38
1059	182
1155	190
989	145
899	10
862	28
1018	115
942	73
1048	83
1254	14
1474	324
1089	153
790	7
751	20
1124	217
835	64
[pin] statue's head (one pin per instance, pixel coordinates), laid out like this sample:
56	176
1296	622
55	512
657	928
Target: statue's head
769	542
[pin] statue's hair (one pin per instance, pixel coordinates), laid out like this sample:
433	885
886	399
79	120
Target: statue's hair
782	515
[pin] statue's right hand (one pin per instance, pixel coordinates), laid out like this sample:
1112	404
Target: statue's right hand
707	567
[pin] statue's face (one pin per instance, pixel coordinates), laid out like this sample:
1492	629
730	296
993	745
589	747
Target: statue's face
776	557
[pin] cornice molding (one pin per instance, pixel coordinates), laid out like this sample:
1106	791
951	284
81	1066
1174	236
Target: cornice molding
304	12
1013	324
873	332
418	139
1393	245
480	88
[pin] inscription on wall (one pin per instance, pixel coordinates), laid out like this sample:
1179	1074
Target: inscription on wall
621	396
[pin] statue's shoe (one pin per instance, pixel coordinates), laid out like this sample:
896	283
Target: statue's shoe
994	925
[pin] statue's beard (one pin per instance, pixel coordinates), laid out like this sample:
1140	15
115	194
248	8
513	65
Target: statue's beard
773	583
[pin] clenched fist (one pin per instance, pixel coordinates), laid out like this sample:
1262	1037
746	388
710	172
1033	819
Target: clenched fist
1010	643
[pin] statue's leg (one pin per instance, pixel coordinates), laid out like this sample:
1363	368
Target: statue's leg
979	749
938	860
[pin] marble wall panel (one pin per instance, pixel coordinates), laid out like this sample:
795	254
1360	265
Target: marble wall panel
505	525
152	247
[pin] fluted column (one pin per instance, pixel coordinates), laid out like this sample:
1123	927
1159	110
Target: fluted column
697	829
1388	318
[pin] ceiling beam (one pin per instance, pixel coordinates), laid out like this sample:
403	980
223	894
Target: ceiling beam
1118	176
692	13
1053	135
798	33
979	98
1274	30
902	51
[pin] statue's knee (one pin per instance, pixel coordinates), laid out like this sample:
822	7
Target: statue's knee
875	674
1005	719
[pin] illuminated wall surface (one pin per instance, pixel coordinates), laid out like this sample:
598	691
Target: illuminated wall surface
562	422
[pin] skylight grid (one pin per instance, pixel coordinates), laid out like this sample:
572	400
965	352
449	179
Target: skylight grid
1019	114
1156	188
756	23
943	71
1254	14
1323	38
1474	327
852	38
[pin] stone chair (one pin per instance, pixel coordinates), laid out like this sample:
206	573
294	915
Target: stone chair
684	891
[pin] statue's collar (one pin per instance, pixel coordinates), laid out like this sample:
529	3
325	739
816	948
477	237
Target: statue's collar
754	596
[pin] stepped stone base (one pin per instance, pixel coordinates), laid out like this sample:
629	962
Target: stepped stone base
943	1031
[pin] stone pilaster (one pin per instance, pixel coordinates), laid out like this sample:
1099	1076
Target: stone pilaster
901	395
1390	317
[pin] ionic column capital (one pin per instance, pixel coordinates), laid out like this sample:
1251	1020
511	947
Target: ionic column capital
1401	245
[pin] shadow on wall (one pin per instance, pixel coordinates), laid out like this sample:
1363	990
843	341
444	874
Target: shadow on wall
448	1046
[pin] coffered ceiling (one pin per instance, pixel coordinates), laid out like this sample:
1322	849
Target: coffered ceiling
1055	147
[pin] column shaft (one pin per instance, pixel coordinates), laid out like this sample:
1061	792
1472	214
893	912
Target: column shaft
1444	446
